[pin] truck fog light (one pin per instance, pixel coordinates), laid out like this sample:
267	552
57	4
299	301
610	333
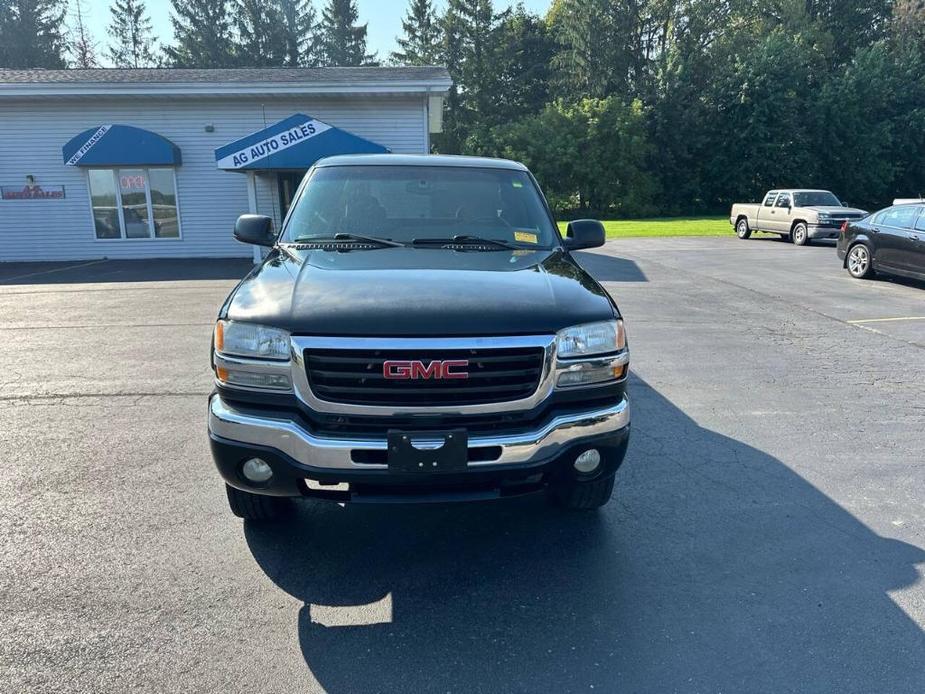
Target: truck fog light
256	470
585	373
588	462
253	379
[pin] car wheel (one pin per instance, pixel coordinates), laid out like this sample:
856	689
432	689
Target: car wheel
582	495
800	234
859	262
256	507
742	230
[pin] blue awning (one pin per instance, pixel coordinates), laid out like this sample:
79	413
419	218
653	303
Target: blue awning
296	142
120	145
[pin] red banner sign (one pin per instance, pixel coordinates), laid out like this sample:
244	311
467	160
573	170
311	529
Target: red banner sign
32	193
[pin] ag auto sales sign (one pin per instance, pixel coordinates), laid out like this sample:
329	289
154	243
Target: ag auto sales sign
272	144
32	192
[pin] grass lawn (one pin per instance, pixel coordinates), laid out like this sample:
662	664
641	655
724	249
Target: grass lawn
665	226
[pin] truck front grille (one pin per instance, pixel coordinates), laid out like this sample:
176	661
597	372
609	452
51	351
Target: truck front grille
355	376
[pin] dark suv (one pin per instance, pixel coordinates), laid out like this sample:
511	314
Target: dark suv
890	241
419	331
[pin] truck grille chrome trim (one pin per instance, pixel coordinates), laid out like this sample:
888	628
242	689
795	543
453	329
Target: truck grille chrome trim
317	362
301	445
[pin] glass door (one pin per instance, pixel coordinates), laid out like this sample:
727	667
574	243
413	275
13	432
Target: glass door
287	182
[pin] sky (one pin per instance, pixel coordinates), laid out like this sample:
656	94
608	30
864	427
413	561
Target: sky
384	18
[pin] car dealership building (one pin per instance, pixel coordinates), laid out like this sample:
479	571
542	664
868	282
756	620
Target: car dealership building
158	163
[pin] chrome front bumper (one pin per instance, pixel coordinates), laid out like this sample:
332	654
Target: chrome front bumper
291	438
819	231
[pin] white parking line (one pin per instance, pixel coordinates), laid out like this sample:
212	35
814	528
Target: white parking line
885	320
57	269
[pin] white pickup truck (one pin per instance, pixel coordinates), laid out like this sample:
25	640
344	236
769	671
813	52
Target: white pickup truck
798	215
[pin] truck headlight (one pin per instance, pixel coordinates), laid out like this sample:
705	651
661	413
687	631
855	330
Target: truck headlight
590	354
591	338
251	340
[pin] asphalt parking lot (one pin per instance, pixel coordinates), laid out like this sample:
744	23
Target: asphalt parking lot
767	534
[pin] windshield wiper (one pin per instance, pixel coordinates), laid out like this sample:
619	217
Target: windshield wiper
466	239
344	236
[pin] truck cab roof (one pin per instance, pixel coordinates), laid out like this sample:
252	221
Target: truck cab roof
420	160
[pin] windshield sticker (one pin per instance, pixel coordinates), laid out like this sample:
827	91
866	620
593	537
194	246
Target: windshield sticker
517	184
525	236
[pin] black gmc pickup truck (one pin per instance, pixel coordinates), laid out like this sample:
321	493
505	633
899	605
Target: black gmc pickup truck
418	331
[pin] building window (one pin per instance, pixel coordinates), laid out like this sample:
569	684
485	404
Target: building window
134	203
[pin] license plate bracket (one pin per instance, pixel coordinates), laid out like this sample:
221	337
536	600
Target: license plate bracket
428	452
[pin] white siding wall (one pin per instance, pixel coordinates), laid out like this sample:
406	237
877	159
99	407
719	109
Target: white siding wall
32	134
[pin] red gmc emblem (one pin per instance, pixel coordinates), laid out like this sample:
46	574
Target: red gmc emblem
414	369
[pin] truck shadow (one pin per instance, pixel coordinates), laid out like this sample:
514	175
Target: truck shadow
715	568
105	271
609	268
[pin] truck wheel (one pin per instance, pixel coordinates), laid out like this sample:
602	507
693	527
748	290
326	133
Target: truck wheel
800	235
582	495
858	262
256	507
742	230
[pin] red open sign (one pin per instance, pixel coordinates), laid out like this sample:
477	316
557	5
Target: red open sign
132	182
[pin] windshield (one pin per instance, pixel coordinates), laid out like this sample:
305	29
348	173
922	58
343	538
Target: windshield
811	198
417	203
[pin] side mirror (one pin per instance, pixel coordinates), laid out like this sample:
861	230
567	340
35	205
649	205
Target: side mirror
584	233
256	229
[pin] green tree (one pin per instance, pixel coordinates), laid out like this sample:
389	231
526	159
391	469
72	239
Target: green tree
80	44
132	37
32	34
909	20
6	18
472	53
872	117
590	157
422	41
342	41
299	26
593	57
202	35
526	49
262	36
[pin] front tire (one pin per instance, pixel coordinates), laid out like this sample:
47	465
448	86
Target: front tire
800	235
859	262
582	495
742	229
256	507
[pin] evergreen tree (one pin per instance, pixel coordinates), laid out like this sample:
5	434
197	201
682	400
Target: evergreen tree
32	34
262	40
472	53
6	18
81	46
423	35
342	41
525	51
202	34
132	38
909	20
300	31
594	58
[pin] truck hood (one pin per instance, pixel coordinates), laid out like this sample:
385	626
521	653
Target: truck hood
418	292
837	210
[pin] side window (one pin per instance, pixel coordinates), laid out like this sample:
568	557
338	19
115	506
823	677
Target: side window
920	223
769	198
901	216
783	200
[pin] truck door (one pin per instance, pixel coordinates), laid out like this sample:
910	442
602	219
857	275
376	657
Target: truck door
781	214
764	218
